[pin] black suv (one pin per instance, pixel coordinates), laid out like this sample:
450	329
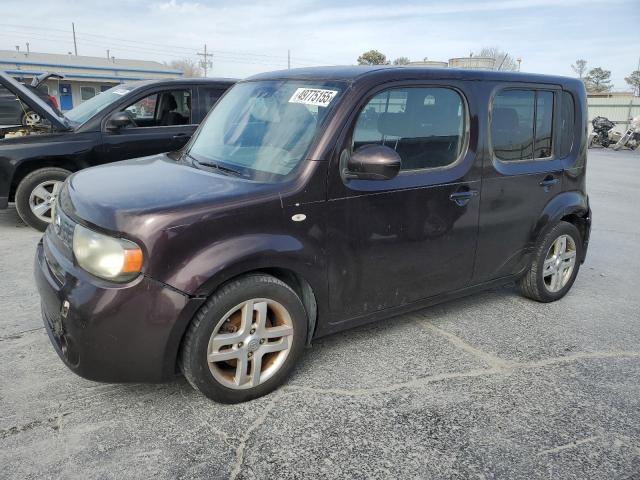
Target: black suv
310	201
130	120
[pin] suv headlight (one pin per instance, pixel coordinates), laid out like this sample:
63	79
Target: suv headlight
106	257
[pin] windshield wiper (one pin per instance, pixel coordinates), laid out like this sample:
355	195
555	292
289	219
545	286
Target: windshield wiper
216	165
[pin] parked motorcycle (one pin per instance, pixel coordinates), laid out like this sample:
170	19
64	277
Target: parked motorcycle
603	133
630	138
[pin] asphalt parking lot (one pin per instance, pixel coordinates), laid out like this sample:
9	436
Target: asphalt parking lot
490	386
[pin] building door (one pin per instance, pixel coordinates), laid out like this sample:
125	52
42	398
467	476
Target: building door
66	97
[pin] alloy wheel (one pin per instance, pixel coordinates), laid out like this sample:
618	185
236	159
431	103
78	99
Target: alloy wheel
559	263
42	199
250	343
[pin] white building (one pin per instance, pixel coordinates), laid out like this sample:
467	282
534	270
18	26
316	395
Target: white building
84	77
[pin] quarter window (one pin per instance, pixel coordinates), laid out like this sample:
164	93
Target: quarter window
567	120
521	125
425	126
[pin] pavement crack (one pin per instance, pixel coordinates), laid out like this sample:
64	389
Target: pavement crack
15	336
506	369
492	360
570	445
54	422
237	464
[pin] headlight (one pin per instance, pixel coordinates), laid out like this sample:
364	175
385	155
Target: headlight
106	257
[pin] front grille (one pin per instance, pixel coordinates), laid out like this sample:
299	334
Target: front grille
63	226
54	266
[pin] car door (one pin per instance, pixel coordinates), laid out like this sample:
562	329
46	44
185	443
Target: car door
162	121
397	241
521	176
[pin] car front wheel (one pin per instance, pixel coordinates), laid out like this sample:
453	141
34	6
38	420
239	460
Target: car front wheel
245	340
554	265
36	195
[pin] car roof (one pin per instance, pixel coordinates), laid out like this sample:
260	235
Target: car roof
355	73
181	81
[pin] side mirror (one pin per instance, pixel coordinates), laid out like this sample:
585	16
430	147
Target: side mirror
373	162
118	120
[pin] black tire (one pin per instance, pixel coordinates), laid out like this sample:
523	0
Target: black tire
193	354
26	187
532	283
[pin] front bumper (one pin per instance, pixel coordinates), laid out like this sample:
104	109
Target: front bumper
121	333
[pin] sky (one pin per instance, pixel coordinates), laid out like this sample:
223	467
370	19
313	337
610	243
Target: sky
248	37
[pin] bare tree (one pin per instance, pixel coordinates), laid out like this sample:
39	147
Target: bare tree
634	81
402	61
580	67
188	67
373	57
598	80
503	60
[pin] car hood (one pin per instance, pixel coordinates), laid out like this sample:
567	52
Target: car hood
34	102
147	195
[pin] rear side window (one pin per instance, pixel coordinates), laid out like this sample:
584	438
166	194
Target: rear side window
425	126
211	96
567	121
522	125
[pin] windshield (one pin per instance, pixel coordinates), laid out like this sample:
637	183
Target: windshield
263	130
88	109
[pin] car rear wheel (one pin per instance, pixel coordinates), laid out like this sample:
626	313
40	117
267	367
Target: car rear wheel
245	340
554	265
36	195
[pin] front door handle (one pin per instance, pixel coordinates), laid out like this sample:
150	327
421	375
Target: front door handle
548	182
461	198
181	136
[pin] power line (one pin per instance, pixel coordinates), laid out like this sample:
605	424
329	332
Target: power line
123	43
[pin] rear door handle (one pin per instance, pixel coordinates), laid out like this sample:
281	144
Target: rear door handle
549	182
462	198
181	136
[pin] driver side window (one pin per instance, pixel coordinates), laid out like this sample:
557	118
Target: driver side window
425	126
162	109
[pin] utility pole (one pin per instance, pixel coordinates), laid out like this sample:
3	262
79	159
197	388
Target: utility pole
75	45
28	49
289	59
108	55
205	63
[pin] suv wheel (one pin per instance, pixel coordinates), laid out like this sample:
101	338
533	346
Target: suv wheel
36	195
245	340
554	265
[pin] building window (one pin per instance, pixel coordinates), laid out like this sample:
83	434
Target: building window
425	126
521	125
87	93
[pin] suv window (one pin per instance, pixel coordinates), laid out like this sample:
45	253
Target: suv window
425	126
211	96
521	125
162	109
567	120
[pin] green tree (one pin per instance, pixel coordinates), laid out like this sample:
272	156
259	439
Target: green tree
373	57
598	80
580	67
634	81
402	61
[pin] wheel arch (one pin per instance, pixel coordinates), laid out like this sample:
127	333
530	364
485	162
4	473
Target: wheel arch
26	167
572	207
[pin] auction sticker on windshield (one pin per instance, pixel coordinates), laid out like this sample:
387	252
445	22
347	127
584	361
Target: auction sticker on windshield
313	96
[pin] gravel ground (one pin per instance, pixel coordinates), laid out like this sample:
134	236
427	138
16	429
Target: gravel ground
490	386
